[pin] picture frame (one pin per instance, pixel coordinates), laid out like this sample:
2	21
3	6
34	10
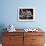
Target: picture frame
26	14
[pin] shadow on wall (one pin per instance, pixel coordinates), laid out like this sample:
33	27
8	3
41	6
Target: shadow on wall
2	29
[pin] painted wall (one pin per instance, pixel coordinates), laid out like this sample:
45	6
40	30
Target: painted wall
8	13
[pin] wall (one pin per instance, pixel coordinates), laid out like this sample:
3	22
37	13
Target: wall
9	13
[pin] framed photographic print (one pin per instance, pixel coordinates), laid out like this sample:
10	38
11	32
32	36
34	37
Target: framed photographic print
26	14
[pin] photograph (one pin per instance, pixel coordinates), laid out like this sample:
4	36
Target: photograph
26	14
